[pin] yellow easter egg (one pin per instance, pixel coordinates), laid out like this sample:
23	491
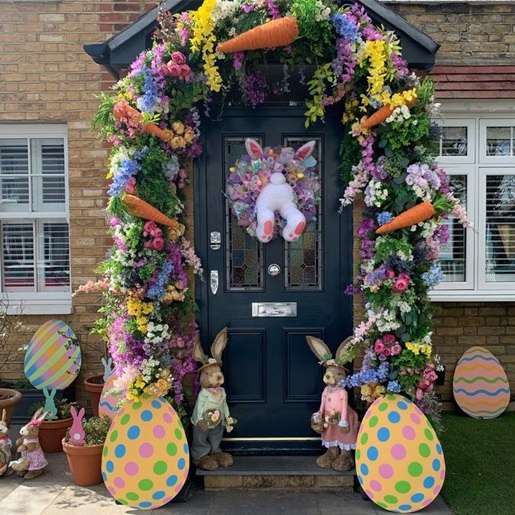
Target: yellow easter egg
145	460
480	385
399	459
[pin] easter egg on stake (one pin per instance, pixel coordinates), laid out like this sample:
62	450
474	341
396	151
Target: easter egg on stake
480	385
399	459
53	358
110	398
145	460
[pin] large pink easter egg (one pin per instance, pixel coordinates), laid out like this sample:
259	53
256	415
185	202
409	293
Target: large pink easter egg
53	356
480	385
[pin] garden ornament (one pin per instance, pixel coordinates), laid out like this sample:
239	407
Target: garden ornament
32	459
278	196
50	406
211	413
335	421
5	444
108	368
77	434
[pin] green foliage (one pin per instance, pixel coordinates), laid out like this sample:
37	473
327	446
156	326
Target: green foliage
103	120
63	408
96	429
317	87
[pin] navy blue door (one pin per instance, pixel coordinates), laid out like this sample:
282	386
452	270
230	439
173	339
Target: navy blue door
272	378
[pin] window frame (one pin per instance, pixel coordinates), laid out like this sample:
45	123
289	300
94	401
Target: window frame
478	117
45	302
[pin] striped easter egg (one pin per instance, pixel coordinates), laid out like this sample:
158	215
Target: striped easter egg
480	385
110	398
53	356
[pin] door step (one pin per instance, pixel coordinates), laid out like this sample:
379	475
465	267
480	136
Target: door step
291	472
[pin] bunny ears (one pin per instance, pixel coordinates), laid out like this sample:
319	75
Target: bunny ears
323	353
38	417
217	348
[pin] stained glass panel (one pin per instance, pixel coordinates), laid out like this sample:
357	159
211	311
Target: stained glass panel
244	253
303	257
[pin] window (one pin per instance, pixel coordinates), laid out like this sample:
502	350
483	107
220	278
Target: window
34	229
478	153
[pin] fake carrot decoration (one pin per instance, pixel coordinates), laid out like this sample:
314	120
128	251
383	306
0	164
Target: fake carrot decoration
411	216
123	110
275	33
382	114
138	207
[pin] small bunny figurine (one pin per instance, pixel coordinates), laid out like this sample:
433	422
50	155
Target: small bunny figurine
5	444
211	413
50	406
336	421
32	459
108	368
77	434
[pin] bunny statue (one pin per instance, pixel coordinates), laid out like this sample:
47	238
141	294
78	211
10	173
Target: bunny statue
77	434
50	406
335	421
5	444
211	413
279	196
32	459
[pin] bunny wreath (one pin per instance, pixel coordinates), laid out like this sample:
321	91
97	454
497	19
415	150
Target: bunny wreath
153	121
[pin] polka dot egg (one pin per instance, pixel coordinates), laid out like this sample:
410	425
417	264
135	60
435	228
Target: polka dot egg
399	459
145	460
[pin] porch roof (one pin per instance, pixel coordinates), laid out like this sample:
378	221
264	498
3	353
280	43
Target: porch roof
120	50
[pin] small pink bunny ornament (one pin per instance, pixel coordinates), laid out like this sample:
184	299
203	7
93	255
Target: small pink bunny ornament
32	459
335	421
77	434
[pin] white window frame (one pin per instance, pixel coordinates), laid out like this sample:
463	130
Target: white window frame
48	302
477	115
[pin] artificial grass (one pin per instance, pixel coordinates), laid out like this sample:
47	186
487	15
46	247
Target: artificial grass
480	460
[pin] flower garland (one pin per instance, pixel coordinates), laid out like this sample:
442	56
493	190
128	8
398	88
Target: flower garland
248	177
147	316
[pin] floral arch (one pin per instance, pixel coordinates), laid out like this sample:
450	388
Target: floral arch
153	120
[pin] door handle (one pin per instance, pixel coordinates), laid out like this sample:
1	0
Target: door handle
213	281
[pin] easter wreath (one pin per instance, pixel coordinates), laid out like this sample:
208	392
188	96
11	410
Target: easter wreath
153	121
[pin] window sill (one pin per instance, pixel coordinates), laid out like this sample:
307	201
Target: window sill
472	296
43	306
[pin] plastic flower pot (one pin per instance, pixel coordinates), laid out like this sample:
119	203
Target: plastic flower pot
8	400
51	433
94	386
85	462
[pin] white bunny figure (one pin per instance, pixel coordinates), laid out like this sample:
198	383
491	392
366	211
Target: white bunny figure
77	435
278	196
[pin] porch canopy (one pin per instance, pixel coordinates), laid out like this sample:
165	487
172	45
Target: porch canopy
119	51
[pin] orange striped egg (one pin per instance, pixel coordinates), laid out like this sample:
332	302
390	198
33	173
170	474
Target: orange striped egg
53	356
480	385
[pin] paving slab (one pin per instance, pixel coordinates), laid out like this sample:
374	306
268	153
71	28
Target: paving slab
53	493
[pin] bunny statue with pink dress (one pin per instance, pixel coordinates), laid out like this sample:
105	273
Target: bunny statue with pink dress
335	421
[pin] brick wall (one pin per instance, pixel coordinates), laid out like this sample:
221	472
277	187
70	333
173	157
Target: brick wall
47	77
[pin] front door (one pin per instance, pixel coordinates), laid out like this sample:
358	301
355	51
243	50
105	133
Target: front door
273	381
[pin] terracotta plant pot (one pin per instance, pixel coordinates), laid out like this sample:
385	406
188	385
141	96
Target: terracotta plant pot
85	462
8	400
51	433
94	386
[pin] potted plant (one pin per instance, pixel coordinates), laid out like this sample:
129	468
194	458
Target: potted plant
83	446
51	432
94	386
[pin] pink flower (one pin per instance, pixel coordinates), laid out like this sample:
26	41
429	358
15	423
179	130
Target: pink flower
405	276
174	70
178	58
386	352
158	244
388	339
185	71
130	187
379	347
400	285
396	349
390	274
419	394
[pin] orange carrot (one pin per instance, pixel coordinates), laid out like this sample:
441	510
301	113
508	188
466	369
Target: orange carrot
275	33
124	110
138	207
382	114
411	216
